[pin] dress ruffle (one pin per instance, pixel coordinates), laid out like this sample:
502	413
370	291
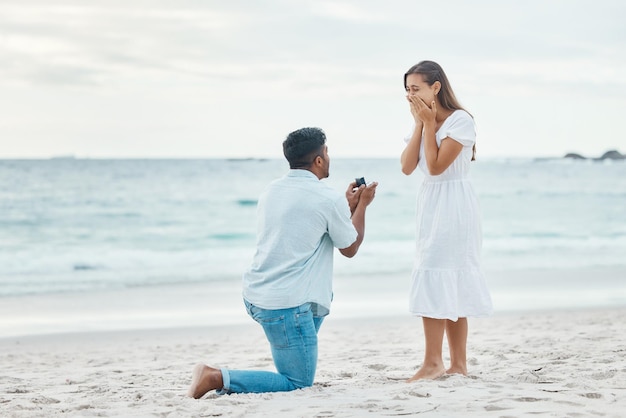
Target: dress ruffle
449	294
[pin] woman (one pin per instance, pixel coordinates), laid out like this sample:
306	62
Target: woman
447	282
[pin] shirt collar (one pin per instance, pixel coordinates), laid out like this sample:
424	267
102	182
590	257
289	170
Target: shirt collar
297	172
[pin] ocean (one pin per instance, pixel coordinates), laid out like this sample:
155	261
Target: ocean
79	228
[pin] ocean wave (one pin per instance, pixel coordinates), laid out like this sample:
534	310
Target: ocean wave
80	225
247	202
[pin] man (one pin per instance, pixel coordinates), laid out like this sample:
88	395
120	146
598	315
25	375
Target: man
288	288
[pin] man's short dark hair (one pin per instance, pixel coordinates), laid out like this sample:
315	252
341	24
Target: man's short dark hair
302	146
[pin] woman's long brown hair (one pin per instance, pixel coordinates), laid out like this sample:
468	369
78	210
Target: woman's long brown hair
431	71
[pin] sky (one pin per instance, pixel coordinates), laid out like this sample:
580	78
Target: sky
213	78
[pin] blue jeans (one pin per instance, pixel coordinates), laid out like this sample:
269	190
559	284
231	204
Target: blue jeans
292	334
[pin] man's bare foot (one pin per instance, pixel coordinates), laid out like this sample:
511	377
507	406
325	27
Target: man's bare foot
457	370
428	372
204	379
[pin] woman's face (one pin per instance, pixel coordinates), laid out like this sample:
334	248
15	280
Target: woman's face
416	86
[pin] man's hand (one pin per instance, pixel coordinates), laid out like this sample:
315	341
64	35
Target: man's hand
367	193
361	196
353	194
358	199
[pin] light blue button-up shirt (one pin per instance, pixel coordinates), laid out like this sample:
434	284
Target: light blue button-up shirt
299	220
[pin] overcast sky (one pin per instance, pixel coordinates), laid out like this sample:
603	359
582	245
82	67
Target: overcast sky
106	78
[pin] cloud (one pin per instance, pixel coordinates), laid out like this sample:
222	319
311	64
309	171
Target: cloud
321	44
351	11
100	43
337	62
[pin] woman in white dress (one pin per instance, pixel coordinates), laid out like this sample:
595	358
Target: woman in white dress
447	282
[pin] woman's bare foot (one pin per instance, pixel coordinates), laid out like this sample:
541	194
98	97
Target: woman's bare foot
204	379
428	372
457	370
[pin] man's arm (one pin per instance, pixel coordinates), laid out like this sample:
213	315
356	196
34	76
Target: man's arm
358	218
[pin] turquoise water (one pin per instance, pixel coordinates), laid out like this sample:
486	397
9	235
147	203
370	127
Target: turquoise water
125	244
84	225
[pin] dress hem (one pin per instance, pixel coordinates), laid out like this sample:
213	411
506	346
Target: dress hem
453	318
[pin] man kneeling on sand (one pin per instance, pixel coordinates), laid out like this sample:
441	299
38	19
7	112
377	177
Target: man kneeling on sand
288	288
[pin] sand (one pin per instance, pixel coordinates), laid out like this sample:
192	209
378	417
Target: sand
554	364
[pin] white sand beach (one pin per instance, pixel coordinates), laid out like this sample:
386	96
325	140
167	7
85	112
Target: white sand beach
554	364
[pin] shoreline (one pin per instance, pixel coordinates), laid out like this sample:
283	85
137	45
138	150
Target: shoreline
235	328
220	303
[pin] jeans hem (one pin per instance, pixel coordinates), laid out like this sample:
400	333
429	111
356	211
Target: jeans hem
225	383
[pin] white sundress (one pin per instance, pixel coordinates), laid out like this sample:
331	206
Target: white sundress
447	281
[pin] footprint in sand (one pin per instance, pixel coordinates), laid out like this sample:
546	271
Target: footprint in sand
592	395
17	390
603	375
44	400
419	394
